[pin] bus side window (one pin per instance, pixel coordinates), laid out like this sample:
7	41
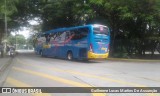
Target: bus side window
80	33
58	38
83	32
74	34
41	38
68	34
52	37
48	37
62	36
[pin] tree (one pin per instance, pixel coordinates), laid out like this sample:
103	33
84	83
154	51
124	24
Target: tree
16	40
7	8
131	21
134	24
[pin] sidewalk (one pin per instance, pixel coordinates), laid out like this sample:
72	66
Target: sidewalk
141	58
4	62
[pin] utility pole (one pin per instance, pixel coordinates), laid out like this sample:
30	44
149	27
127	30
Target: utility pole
5	18
5	28
84	18
16	40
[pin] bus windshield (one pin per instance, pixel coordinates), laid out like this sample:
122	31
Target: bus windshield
100	30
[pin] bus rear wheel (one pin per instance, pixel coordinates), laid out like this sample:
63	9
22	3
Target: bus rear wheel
69	56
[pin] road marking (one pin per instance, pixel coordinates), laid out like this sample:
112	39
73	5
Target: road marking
86	75
18	83
51	77
91	76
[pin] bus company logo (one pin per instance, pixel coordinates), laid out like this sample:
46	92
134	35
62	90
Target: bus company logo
6	90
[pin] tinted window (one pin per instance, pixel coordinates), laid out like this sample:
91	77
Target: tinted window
53	36
62	36
100	30
57	36
80	33
47	36
68	34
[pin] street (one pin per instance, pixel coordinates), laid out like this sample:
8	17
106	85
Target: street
30	70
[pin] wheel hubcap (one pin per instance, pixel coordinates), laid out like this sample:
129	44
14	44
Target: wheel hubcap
69	56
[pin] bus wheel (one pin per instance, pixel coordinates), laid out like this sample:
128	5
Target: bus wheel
85	60
69	56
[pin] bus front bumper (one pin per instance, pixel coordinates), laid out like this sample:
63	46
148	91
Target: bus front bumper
92	55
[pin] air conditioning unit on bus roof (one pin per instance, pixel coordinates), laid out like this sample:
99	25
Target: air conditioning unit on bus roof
98	25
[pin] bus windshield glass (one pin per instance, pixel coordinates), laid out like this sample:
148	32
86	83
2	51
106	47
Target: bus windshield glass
100	30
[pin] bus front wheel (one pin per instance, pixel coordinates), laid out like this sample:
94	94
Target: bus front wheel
69	56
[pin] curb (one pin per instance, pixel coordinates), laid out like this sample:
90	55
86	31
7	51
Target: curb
133	60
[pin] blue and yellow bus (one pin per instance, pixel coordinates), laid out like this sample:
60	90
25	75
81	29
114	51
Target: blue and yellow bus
81	42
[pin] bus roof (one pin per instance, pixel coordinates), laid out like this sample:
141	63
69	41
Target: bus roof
71	28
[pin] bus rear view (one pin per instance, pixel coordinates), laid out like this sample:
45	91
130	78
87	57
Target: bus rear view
99	42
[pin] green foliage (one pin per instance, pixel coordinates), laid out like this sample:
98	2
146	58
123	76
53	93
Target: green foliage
133	21
18	39
64	13
8	8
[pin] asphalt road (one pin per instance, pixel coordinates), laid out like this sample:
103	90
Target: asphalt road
30	70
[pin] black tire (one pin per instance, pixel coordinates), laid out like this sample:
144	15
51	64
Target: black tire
85	60
69	56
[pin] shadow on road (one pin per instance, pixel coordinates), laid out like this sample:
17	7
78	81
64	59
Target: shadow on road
31	54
